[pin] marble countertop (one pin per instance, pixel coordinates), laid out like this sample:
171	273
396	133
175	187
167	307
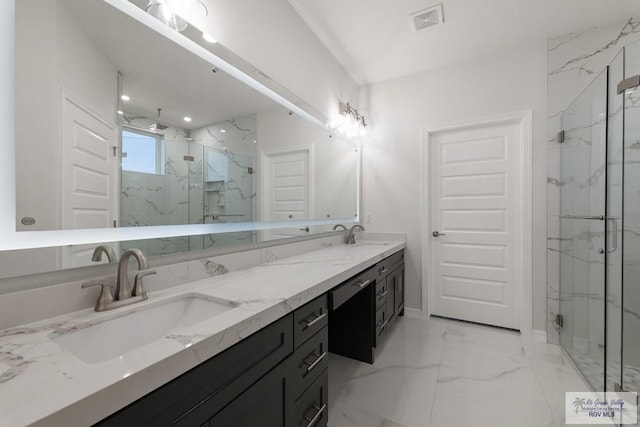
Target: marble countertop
41	384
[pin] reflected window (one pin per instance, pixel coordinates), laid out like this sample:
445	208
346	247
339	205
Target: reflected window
142	152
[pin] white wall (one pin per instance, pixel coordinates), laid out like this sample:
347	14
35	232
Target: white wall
400	108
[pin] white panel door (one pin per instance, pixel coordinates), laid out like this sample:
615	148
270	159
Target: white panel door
89	175
287	196
474	202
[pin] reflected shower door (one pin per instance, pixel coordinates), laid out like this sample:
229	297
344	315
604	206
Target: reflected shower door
630	376
582	230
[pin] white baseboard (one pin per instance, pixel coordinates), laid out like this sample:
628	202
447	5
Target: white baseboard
539	335
414	313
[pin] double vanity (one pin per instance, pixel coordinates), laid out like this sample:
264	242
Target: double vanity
245	346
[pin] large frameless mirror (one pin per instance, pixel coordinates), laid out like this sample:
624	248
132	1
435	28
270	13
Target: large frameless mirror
121	125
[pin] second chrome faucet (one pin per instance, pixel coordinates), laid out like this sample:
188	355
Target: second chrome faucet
124	295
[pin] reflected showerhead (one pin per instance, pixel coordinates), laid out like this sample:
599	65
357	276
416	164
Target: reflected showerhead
157	125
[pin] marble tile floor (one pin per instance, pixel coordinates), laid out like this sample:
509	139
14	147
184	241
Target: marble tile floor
445	373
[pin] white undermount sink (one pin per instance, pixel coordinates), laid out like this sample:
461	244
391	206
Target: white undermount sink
138	326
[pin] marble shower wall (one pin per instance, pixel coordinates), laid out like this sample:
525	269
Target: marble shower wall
148	199
574	61
217	186
228	183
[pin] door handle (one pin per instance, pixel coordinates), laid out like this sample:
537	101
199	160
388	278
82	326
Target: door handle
614	235
437	234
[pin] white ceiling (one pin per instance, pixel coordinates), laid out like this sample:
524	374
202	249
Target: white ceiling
374	41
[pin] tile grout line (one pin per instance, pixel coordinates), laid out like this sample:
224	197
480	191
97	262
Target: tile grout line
542	389
435	391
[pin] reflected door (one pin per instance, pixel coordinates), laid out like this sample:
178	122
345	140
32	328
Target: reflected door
287	189
89	175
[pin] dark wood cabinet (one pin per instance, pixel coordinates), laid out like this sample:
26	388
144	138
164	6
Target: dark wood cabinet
362	308
265	403
262	380
278	377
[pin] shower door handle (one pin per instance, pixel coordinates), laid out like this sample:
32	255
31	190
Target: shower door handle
614	235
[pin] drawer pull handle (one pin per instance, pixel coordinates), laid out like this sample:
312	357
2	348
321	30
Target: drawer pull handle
382	294
382	325
382	270
310	323
363	283
315	362
316	417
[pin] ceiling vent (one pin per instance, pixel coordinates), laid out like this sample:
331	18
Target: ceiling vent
426	18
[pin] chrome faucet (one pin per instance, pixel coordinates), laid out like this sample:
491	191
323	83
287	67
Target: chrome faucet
107	250
122	284
351	240
124	295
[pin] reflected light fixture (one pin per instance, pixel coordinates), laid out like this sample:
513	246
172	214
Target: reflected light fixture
209	38
177	13
349	122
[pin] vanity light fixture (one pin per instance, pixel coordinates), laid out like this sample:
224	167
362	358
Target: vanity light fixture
349	122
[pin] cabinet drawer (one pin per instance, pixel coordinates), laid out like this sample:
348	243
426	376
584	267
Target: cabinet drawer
381	293
263	404
311	409
309	319
385	266
342	293
309	361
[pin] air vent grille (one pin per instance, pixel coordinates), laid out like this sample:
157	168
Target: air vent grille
426	18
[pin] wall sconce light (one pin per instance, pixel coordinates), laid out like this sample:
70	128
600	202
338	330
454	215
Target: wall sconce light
349	122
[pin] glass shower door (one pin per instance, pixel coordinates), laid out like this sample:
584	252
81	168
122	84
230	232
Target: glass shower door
615	162
582	230
630	373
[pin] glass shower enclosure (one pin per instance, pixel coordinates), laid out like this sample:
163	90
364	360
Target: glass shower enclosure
600	227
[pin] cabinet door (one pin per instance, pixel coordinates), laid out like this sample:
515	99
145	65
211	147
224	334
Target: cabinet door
399	290
391	294
267	403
